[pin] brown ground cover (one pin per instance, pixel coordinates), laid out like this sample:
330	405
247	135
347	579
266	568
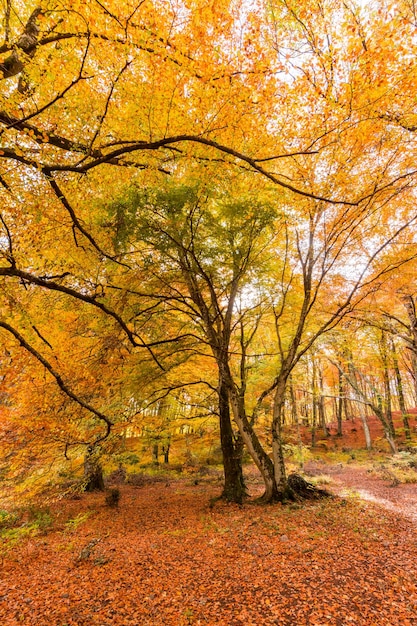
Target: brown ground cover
165	558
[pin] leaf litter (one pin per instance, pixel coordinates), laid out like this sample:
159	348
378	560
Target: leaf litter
165	558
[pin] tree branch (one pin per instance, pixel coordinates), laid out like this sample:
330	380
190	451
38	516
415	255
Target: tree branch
63	386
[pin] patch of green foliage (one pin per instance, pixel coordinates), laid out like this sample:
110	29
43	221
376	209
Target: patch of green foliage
21	524
72	524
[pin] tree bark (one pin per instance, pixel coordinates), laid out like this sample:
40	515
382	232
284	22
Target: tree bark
321	407
387	387
339	406
400	390
252	443
93	472
410	307
296	421
234	487
283	491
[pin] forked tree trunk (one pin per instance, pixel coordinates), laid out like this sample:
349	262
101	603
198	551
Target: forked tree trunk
253	445
360	398
375	408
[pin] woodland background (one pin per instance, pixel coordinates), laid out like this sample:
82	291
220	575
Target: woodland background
208	234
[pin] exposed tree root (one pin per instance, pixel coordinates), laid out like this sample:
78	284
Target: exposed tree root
303	490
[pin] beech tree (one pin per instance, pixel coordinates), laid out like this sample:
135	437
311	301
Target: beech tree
206	250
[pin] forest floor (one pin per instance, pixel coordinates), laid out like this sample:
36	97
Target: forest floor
348	481
167	557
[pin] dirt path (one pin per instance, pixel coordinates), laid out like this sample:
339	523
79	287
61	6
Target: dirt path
349	480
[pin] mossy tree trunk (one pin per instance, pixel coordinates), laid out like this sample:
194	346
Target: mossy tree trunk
93	471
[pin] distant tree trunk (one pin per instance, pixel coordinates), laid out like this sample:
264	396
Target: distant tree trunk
295	420
360	396
283	414
304	410
314	386
93	472
410	307
414	374
351	378
375	406
321	407
387	386
165	451
339	406
155	454
314	424
400	391
294	414
365	425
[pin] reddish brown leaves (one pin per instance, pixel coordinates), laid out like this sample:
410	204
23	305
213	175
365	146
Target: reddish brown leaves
164	558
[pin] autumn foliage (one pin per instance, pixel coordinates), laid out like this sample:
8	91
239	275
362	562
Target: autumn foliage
207	229
207	272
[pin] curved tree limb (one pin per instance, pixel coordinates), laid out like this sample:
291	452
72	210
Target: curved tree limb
61	384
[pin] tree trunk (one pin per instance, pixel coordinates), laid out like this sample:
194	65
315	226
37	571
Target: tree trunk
348	407
374	406
234	488
387	386
339	406
358	394
252	443
314	401
410	307
400	391
314	424
321	407
283	491
93	472
365	425
414	373
155	454
165	451
295	420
